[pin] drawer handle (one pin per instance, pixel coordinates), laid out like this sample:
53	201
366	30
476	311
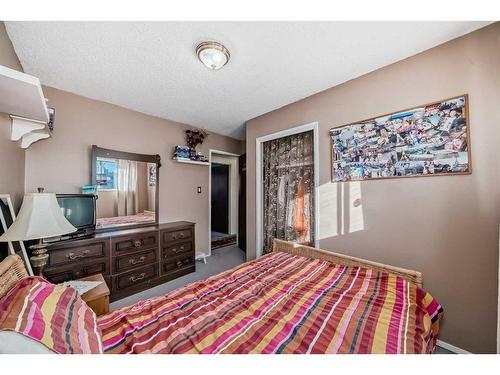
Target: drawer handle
73	256
181	235
137	278
134	261
177	250
137	243
179	264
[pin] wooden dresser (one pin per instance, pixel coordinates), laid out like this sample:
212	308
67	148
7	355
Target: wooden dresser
130	260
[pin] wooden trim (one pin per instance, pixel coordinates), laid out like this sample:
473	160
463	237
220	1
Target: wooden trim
469	142
414	277
114	154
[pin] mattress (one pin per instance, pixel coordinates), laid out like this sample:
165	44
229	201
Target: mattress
281	303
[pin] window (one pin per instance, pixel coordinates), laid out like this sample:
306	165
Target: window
106	173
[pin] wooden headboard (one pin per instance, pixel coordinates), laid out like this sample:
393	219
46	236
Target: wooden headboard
414	277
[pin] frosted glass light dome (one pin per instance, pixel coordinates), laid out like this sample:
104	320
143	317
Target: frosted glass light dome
212	54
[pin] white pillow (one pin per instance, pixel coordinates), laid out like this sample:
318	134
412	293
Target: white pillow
15	343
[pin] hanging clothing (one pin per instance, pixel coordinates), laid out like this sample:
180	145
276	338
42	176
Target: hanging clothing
288	190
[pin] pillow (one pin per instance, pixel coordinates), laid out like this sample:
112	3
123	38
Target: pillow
51	314
15	343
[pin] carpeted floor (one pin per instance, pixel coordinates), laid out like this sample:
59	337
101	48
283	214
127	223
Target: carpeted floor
221	259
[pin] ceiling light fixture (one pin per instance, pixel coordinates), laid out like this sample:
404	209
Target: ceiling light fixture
213	55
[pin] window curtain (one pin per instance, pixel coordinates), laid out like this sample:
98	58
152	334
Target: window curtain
288	190
127	188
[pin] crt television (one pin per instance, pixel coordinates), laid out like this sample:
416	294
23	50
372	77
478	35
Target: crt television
80	211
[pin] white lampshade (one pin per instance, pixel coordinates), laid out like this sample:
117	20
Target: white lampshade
40	217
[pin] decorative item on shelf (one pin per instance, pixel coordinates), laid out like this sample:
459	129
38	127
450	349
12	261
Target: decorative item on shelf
195	137
40	217
200	157
89	189
183	152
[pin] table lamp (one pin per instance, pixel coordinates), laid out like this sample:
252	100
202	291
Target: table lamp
39	217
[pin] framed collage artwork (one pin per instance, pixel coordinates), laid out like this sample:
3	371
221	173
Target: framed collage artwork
429	140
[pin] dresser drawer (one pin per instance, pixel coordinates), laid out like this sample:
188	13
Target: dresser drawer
137	242
139	276
177	249
176	235
75	271
128	262
178	263
68	253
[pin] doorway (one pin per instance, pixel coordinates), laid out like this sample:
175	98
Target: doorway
220	198
224	199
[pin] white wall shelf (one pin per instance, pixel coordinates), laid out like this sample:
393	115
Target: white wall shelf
22	97
189	161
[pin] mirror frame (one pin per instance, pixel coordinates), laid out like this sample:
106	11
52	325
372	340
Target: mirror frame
115	154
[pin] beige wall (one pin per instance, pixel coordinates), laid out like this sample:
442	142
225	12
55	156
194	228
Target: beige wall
106	204
62	163
446	227
11	155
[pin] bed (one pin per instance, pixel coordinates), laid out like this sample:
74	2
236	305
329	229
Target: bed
295	300
140	218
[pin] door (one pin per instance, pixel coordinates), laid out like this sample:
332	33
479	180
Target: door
288	190
220	198
242	204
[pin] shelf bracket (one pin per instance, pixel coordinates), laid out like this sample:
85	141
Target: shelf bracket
27	130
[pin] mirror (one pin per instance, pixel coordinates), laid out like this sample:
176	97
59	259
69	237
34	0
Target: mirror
127	188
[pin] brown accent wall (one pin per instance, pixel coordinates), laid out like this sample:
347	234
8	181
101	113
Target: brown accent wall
11	155
446	227
62	163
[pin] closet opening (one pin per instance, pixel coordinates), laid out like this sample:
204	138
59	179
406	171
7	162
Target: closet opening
287	188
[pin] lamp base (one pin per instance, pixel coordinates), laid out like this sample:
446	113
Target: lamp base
39	257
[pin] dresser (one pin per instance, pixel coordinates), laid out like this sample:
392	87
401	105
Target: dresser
130	260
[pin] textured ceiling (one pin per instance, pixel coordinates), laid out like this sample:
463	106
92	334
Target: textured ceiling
151	67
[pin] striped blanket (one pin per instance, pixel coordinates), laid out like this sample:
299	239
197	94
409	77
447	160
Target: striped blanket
52	315
280	303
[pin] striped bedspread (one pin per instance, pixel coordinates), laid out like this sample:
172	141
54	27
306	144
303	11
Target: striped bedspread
51	314
281	303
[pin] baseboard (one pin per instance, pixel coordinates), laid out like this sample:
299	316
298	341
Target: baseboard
452	348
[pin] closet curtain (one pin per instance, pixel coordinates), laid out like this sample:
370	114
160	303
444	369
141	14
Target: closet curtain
127	188
288	190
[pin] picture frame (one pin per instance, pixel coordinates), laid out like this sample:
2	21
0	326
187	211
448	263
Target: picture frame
422	141
7	217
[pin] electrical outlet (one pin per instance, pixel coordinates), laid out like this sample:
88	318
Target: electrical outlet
199	189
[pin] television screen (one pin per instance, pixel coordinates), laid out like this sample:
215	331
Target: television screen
78	209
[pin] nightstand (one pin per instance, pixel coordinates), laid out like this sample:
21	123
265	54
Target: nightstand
97	298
